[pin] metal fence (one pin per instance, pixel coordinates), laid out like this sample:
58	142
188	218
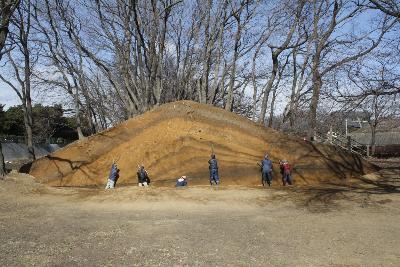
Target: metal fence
22	140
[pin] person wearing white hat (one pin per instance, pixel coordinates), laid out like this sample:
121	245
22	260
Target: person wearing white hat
182	181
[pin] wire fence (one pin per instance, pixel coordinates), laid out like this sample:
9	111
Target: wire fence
22	140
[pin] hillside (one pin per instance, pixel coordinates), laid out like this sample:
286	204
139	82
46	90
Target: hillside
177	138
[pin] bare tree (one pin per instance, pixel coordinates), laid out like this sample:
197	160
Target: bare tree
322	35
389	7
7	8
237	15
276	50
377	108
22	68
372	95
281	70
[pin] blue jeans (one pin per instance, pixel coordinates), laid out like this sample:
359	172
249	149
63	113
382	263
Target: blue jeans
266	177
287	179
214	176
178	184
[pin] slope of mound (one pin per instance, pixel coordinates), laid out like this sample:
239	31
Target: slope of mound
176	139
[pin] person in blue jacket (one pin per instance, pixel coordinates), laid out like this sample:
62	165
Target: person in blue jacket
266	170
213	167
113	176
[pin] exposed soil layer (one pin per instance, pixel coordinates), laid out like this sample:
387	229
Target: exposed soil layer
177	139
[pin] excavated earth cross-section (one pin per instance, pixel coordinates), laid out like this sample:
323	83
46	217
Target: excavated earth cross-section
177	138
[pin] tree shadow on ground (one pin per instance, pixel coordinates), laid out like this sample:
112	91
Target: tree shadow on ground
362	191
345	163
73	165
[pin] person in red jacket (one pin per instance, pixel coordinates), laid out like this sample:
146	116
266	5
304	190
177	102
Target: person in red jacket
286	171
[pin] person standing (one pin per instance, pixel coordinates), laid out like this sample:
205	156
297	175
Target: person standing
286	171
266	170
113	176
143	177
213	167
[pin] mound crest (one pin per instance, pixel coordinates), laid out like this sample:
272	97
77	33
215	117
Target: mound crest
175	139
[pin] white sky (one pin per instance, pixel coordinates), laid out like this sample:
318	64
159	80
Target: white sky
8	96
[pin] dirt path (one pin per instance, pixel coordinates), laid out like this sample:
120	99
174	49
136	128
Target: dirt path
356	225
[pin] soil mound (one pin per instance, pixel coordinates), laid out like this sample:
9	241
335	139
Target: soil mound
177	138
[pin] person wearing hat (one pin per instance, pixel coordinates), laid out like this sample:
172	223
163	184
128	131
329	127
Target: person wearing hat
266	170
182	181
213	167
113	176
143	177
286	171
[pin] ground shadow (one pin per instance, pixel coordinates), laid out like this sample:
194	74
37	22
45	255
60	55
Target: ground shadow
344	164
26	168
326	197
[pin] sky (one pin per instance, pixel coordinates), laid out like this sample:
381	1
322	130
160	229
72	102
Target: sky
7	96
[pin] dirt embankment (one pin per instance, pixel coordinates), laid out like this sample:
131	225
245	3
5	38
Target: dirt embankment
177	138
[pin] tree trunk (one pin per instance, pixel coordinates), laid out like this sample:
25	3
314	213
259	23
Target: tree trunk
214	86
254	83
269	87
229	101
28	128
28	118
317	84
271	114
77	117
373	139
293	94
2	164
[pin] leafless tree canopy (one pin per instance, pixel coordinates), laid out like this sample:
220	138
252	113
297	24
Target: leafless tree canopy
281	63
7	8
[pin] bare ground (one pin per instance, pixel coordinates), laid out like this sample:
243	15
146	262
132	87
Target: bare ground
354	225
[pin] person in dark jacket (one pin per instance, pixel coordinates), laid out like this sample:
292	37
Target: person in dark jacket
143	177
113	176
213	167
266	170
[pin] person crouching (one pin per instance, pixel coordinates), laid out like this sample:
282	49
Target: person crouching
182	181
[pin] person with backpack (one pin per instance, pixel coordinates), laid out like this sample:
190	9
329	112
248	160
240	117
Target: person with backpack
213	167
143	177
266	171
113	176
286	171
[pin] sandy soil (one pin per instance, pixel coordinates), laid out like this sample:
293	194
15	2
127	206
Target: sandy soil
177	139
357	225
